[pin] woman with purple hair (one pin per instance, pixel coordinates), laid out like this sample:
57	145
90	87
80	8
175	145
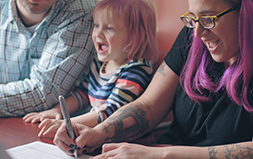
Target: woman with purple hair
206	80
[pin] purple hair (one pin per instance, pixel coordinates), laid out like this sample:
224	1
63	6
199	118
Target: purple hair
236	78
138	17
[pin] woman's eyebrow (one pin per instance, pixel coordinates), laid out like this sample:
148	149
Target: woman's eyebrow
191	12
203	12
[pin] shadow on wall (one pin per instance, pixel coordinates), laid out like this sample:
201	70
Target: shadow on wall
168	14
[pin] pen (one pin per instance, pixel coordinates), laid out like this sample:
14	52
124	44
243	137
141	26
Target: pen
66	117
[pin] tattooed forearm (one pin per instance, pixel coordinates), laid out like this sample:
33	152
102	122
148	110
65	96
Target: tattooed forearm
235	151
133	117
212	152
161	69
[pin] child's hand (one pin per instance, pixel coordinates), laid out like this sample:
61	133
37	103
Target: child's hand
54	113
49	127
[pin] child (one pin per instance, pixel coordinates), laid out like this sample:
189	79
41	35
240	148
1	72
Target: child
124	36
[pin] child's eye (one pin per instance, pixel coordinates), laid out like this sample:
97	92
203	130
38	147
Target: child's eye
95	25
109	28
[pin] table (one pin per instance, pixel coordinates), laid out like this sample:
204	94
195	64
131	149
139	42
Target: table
15	132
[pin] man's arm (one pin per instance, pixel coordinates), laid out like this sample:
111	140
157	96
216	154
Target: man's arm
66	55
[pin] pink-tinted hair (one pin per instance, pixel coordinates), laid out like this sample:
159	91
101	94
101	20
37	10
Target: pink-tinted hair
236	78
138	17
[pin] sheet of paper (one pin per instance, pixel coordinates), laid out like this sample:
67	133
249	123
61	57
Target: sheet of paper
40	150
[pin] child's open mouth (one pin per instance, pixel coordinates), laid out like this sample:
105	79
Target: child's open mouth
102	47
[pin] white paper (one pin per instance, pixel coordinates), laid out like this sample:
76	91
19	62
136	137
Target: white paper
40	150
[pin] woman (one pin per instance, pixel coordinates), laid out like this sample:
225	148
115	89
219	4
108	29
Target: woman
205	80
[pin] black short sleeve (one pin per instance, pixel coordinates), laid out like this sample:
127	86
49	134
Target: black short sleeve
216	122
177	56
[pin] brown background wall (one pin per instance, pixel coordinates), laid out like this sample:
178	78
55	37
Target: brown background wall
168	14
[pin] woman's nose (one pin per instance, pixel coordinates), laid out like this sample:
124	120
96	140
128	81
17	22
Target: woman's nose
199	31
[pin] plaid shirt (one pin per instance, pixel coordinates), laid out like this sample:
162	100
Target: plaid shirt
36	68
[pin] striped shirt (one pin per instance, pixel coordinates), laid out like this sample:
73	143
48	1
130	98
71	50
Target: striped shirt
36	68
109	91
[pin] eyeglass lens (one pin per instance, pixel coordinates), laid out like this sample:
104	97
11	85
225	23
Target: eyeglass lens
206	22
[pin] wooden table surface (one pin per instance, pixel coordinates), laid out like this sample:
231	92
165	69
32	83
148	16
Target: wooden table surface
16	132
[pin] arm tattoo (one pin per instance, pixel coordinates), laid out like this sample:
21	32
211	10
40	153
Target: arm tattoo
161	69
235	151
212	152
122	133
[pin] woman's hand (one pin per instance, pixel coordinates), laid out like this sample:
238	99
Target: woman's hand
54	113
49	127
129	151
86	141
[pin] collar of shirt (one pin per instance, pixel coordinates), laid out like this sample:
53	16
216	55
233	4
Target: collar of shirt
15	20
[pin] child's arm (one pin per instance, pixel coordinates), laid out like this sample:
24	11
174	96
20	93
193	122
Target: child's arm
129	86
50	126
54	113
88	119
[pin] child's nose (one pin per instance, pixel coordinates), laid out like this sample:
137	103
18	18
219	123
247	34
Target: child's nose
99	34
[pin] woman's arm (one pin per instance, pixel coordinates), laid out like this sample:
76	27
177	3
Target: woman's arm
142	115
230	151
132	120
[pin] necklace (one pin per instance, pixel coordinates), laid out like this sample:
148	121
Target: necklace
104	66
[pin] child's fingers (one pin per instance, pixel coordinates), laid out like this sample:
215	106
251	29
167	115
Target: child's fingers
44	127
50	132
44	123
49	127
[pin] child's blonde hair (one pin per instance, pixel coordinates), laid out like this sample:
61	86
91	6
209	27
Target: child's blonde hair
138	17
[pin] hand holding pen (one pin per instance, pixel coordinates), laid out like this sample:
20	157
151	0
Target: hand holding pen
67	120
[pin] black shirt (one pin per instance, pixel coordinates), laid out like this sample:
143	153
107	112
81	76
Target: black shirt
211	123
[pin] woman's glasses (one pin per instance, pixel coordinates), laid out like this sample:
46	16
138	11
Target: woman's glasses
207	22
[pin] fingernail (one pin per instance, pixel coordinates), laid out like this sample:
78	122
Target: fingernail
84	151
72	146
77	148
71	151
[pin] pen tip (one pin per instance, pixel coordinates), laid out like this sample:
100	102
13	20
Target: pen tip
75	154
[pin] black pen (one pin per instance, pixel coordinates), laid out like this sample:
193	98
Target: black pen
66	117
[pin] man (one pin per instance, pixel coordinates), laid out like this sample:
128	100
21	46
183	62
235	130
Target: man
45	47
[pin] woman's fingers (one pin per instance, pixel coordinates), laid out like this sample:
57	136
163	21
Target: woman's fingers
109	147
62	140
